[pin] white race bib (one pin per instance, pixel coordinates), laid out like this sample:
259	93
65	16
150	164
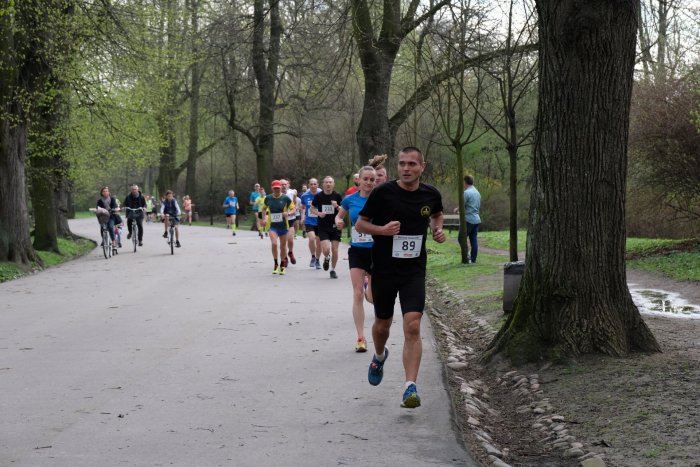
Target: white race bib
276	217
312	214
327	209
358	237
406	246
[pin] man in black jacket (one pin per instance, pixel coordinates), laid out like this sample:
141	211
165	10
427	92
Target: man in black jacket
135	200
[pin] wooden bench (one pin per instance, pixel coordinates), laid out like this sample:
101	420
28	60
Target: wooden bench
450	222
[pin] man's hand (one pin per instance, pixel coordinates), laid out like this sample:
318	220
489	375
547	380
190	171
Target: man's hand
392	228
439	236
339	223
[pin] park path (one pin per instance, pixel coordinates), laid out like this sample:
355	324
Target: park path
204	358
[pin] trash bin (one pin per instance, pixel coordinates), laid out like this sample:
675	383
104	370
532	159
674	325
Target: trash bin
512	273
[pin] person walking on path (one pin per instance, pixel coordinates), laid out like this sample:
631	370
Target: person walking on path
277	206
187	206
135	200
397	215
230	208
325	206
472	206
309	221
360	252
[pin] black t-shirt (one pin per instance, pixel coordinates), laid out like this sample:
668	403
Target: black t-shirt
389	202
320	200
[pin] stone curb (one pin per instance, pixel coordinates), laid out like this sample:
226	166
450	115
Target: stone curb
526	388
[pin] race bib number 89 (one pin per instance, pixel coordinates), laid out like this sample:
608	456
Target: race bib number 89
406	246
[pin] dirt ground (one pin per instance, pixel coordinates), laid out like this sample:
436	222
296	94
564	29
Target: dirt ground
638	411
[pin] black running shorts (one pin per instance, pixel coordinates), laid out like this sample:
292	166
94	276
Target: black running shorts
360	258
410	289
311	228
331	234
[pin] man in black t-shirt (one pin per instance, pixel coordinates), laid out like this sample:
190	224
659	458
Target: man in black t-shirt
325	205
397	215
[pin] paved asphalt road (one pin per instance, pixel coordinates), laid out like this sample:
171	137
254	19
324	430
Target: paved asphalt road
204	358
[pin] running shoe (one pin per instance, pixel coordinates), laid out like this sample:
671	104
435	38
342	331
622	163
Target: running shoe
276	269
165	234
261	235
177	244
266	234
334	275
140	243
376	369
283	271
128	237
361	345
326	263
411	400
312	263
292	258
234	233
318	264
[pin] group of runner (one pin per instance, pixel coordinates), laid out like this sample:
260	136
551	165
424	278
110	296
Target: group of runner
387	256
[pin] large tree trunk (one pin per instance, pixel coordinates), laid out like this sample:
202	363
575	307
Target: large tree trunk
265	64
573	297
373	133
41	190
15	242
513	195
62	202
193	152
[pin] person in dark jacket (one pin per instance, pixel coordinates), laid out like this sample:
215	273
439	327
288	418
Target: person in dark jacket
135	200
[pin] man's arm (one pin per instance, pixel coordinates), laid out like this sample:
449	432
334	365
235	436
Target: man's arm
436	221
363	225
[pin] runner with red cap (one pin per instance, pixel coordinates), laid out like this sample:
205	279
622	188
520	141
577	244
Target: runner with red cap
277	205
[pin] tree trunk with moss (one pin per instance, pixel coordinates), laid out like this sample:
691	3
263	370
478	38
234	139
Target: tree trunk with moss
573	297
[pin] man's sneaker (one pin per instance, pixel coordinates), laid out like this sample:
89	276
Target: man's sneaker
261	235
318	264
234	233
361	345
177	243
165	234
276	269
128	237
326	263
334	275
376	369
140	243
292	258
283	271
411	400
312	263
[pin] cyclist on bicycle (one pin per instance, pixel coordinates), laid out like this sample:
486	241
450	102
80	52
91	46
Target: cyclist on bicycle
135	200
169	208
110	204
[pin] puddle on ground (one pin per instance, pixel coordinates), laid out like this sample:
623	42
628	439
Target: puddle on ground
662	302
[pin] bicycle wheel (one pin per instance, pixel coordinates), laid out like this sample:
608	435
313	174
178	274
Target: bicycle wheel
172	240
106	248
110	246
134	233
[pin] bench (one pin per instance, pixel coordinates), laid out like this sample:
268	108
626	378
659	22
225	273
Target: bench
450	222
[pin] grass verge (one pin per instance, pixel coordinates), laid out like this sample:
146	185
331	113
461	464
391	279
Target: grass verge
70	249
681	266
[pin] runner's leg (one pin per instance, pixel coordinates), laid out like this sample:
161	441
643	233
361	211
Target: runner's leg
357	277
412	346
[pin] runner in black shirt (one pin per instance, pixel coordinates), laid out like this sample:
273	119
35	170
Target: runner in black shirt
325	205
397	215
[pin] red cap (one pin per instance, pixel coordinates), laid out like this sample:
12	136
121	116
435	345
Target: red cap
276	184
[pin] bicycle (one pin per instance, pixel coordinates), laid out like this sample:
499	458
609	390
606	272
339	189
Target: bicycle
134	226
172	222
103	216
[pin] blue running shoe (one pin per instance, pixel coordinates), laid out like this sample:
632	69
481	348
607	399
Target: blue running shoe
411	400
376	369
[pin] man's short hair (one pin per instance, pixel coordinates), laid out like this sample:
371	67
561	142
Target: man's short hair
134	186
468	179
408	149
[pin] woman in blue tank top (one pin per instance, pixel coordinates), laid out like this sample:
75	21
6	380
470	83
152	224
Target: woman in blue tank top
360	252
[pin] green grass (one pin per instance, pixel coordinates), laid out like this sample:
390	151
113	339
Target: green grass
84	214
500	240
444	263
682	266
641	246
70	249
